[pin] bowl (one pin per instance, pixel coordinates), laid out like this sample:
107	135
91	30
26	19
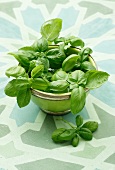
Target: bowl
54	104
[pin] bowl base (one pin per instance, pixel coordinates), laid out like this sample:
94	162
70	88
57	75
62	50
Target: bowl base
56	113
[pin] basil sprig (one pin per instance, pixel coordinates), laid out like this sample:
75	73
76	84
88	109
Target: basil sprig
59	68
81	130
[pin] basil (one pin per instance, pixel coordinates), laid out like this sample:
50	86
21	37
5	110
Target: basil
15	71
78	97
23	97
95	78
51	29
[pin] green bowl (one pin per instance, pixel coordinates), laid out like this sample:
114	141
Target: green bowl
55	104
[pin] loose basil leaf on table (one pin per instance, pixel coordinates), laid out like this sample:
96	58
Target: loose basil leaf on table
40	45
69	62
40	84
78	76
75	141
23	97
15	71
85	134
58	86
79	120
56	134
60	75
67	135
51	29
78	97
37	71
95	78
10	89
91	125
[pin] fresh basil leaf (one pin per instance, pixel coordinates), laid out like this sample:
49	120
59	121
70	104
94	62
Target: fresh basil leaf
69	62
58	40
79	120
73	85
75	141
43	61
67	135
56	134
95	78
58	86
51	29
22	83
78	76
85	134
15	71
27	48
10	89
86	65
56	56
40	45
91	125
77	42
78	96
84	53
23	97
22	59
37	71
40	84
60	75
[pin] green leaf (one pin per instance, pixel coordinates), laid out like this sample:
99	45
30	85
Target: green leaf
51	29
56	134
40	45
23	97
43	61
75	41
95	78
85	134
58	86
26	48
21	58
10	89
91	125
69	62
56	56
37	71
86	65
22	83
78	96
67	135
60	75
40	84
77	76
79	120
15	71
75	141
84	53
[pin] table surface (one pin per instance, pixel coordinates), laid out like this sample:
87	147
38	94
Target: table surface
25	134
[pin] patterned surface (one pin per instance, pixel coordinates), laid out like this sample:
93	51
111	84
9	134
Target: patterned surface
25	134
